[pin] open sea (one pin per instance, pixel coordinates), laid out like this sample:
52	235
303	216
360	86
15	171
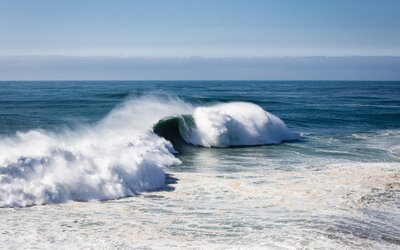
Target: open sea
200	164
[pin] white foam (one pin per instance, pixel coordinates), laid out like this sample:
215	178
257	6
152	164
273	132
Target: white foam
341	206
116	158
120	156
236	124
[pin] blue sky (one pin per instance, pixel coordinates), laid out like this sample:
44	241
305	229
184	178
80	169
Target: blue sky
206	28
55	31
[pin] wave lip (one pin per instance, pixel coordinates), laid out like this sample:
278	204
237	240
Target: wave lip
226	125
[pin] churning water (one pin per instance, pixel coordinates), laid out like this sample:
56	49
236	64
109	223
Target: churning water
200	164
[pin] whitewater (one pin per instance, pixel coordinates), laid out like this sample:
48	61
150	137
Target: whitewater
209	165
121	156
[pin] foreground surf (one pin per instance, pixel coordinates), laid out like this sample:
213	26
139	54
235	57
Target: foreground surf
118	157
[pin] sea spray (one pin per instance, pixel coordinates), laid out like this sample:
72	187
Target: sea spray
226	125
120	155
237	124
115	158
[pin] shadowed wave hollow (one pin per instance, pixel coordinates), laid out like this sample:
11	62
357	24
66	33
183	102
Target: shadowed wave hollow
225	125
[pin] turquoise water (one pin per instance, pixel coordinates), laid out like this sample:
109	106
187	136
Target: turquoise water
337	186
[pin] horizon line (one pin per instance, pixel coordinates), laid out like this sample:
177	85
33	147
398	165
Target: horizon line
194	56
200	80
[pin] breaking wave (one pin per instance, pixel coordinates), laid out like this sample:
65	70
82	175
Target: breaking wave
225	125
121	155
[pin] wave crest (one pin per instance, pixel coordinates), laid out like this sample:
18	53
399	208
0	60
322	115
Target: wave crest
226	125
121	156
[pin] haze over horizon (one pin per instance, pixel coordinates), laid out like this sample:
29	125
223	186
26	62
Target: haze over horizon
199	40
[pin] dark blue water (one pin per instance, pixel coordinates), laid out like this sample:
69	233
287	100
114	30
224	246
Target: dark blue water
336	187
329	114
312	106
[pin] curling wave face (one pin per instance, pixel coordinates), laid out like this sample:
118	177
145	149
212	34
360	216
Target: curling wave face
121	156
226	125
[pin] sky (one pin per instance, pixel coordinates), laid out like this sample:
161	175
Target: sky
55	31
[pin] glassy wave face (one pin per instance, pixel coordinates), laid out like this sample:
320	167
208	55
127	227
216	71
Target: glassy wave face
217	164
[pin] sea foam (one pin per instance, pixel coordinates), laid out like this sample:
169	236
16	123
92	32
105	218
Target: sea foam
120	156
236	124
115	158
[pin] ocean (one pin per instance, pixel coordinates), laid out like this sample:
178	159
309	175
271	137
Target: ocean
200	164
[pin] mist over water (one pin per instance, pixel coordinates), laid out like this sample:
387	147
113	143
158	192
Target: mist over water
335	186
